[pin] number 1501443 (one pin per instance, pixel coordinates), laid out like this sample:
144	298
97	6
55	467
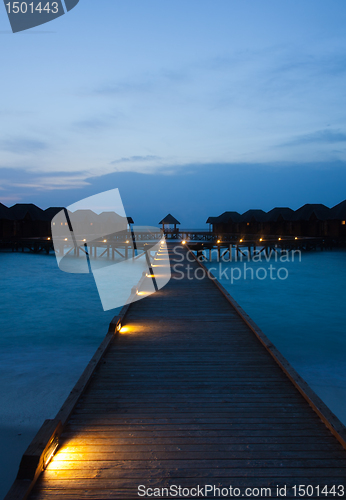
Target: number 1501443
25	7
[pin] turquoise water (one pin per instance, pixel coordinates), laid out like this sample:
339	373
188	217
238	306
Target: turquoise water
303	315
51	325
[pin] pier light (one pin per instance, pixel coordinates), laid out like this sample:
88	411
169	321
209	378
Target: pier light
218	241
104	241
65	239
150	275
343	222
118	327
241	241
84	239
261	239
125	329
279	239
127	241
50	452
296	238
48	239
183	242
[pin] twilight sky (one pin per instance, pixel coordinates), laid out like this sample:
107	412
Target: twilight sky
208	105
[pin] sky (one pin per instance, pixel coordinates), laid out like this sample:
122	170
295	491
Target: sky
210	106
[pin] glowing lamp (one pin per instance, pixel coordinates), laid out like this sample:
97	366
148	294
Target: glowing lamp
84	239
183	242
104	241
279	239
218	241
296	238
65	239
53	445
124	329
48	239
343	222
261	239
240	241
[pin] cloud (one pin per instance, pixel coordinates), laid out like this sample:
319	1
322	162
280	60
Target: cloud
146	83
136	159
280	185
98	123
124	87
326	136
22	145
18	178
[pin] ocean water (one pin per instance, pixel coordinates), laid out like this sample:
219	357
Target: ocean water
51	324
303	314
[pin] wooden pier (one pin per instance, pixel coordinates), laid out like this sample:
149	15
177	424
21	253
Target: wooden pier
189	392
121	244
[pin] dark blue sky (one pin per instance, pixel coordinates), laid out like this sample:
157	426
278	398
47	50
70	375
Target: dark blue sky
207	106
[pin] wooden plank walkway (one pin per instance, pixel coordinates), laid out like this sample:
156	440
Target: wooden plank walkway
187	395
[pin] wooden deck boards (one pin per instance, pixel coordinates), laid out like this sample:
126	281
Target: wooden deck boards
187	396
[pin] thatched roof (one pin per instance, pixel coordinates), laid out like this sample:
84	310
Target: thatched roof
314	211
254	215
309	211
51	212
3	211
169	219
280	214
20	210
339	211
225	218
